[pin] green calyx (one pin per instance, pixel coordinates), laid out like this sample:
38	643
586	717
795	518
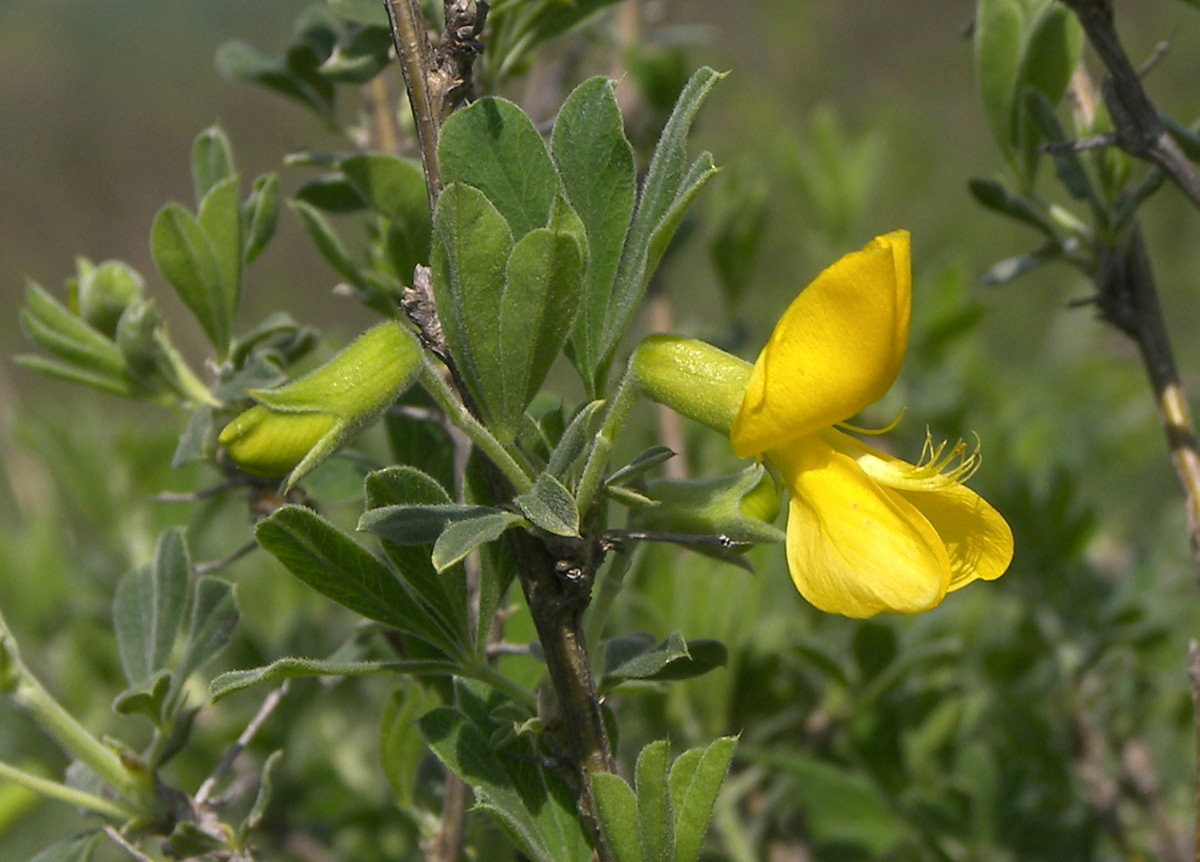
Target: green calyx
691	377
740	507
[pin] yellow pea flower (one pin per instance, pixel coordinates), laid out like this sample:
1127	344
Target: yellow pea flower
866	532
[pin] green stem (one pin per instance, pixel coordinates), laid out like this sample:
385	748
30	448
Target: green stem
70	795
603	597
187	383
487	674
473	428
614	418
25	690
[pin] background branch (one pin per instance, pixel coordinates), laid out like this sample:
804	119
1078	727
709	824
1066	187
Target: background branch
1139	129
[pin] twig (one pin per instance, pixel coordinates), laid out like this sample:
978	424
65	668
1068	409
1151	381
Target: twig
1128	299
1194	677
1139	129
412	49
217	565
256	723
381	114
119	839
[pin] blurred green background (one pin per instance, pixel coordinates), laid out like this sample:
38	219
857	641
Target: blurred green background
849	119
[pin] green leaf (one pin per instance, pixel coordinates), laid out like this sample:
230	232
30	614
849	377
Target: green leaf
340	569
997	58
290	668
656	820
464	536
418	524
493	146
642	463
393	187
1067	164
214	617
416	441
148	608
541	295
212	161
220	216
444	594
359	55
550	506
838	804
618	816
471	246
638	657
299	80
531	805
51	326
995	196
77	849
331	193
666	194
263	798
401	746
260	215
360	11
145	698
328	243
573	442
185	256
113	384
595	162
1010	269
1051	51
187	841
695	780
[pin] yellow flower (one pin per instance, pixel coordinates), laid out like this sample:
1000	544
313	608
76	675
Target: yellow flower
866	532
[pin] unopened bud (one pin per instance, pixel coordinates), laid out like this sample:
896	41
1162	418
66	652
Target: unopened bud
297	426
104	292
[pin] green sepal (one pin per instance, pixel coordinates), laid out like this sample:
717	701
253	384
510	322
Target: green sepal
740	507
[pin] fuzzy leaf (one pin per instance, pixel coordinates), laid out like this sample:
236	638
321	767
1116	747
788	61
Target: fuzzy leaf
148	608
290	668
695	780
541	296
185	256
212	160
471	247
549	505
595	162
666	194
214	617
618	816
492	146
340	569
464	536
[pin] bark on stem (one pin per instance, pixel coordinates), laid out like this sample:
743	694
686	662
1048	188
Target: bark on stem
555	574
1128	299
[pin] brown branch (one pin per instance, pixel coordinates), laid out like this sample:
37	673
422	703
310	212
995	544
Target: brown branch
1194	678
1139	129
556	575
1128	299
413	52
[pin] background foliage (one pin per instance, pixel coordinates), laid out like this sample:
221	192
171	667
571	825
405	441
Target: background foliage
1046	715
